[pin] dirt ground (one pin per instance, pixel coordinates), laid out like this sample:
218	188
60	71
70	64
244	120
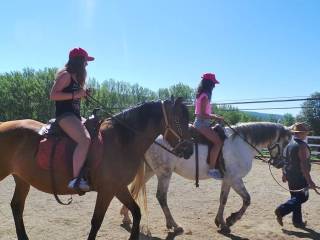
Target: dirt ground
193	208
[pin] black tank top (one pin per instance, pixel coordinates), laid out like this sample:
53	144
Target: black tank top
296	180
71	105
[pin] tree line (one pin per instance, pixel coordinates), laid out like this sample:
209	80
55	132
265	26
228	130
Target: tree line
25	94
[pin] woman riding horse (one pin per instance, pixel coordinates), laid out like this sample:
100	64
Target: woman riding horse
114	159
67	92
203	119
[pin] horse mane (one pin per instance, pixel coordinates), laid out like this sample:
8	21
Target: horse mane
135	119
260	132
185	112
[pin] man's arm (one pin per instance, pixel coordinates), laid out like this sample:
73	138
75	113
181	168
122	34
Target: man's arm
304	165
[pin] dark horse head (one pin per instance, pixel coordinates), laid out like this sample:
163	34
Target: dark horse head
176	131
171	117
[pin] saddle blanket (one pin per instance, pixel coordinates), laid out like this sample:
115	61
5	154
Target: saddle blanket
62	157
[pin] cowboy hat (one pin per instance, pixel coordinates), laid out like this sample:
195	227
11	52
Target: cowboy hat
299	127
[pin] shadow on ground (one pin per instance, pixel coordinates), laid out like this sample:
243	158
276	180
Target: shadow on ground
143	236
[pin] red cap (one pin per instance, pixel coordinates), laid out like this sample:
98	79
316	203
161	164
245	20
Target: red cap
79	52
211	77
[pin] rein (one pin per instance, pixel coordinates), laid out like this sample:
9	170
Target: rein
165	148
261	157
287	189
168	128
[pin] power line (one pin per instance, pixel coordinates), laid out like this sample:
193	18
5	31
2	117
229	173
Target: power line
264	98
272	108
269	101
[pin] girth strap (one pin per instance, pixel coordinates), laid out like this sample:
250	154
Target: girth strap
197	163
53	183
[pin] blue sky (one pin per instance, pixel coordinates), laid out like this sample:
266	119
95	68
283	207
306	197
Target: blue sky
258	49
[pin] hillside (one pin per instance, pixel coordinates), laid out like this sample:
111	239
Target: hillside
265	116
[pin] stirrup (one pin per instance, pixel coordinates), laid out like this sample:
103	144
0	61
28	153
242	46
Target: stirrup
79	184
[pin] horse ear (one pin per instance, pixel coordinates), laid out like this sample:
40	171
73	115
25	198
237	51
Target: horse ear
172	98
179	100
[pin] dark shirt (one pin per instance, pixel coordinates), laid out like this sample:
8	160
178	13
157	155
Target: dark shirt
292	167
71	105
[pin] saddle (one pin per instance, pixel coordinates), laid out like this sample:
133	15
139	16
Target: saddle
52	128
56	147
200	139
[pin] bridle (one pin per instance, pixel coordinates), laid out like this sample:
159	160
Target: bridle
272	159
168	129
260	155
276	158
277	162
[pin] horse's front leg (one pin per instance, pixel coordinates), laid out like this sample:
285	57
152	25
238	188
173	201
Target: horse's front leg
103	200
239	187
126	199
162	191
224	193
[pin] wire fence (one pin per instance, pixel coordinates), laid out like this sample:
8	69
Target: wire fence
314	144
267	100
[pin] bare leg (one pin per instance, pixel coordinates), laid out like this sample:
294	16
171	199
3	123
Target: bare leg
214	152
239	187
212	136
124	210
125	198
219	221
78	132
102	203
17	205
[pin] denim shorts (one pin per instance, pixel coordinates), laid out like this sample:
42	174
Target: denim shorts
200	122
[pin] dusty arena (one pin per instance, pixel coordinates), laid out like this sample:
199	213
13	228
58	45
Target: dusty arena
193	208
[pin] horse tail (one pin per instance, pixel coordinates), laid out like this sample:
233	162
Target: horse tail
138	187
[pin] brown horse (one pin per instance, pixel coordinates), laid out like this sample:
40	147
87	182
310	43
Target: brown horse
126	137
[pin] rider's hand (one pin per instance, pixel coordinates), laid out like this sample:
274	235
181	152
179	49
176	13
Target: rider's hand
89	91
284	178
219	118
81	93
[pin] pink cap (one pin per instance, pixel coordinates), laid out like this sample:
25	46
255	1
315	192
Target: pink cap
79	52
210	76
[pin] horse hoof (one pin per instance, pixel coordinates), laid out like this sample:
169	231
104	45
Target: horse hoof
231	219
225	230
217	222
229	222
178	230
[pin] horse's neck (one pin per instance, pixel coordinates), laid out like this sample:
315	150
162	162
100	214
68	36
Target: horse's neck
147	137
169	162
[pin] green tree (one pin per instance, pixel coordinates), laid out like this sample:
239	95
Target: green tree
163	93
231	114
288	119
26	94
311	113
182	90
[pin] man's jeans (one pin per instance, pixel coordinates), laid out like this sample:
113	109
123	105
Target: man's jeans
294	205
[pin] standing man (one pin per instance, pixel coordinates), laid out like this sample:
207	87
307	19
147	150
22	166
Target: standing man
297	172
